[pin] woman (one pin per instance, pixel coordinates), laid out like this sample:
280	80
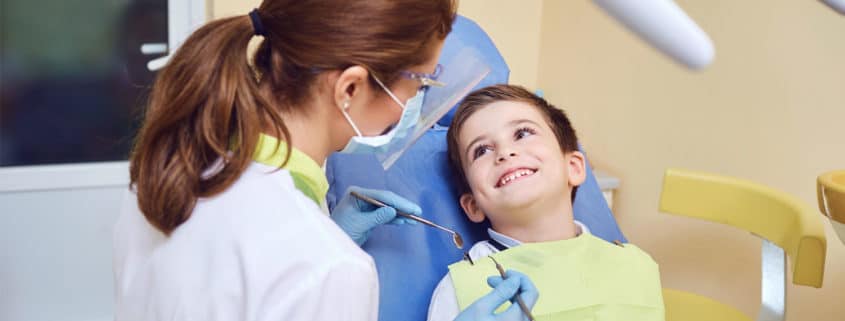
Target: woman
223	219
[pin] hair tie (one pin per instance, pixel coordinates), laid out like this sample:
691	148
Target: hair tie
257	26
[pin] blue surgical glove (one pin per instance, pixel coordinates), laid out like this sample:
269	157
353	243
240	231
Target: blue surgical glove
514	283
357	217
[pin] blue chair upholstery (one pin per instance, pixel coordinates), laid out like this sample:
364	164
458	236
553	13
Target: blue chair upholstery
412	259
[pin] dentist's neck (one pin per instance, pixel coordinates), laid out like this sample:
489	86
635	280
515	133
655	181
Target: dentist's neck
309	133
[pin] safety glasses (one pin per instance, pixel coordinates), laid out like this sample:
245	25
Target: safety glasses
426	80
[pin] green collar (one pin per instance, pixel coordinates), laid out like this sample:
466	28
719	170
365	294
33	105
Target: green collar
308	176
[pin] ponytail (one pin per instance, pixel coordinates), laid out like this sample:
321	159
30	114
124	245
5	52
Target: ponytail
203	103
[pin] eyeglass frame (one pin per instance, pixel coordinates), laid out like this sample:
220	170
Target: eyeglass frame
425	79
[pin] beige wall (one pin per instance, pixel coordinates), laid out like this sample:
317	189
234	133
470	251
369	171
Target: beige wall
514	27
222	8
769	109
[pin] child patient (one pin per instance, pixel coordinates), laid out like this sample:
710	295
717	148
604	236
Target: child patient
518	166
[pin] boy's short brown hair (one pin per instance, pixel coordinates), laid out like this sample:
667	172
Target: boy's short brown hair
555	117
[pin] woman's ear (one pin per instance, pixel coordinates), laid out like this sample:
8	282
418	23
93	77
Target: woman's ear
471	209
576	167
350	86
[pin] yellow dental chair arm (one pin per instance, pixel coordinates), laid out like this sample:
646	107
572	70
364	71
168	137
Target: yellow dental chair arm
787	226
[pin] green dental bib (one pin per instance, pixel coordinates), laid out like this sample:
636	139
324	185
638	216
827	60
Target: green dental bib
583	278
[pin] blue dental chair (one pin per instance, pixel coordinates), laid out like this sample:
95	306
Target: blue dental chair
412	259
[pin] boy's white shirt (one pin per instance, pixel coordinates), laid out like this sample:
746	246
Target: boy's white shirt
444	302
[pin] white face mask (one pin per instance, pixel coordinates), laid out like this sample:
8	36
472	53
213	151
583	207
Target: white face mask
361	144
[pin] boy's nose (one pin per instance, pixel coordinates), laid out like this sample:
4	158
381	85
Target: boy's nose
504	156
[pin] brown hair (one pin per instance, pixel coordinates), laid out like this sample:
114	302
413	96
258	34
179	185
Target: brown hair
555	117
207	99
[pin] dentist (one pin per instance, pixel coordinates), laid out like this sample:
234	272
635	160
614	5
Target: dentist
223	217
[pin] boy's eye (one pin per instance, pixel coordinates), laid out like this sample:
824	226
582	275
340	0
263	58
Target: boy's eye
523	132
480	151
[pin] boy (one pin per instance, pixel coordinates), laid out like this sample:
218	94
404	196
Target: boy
518	165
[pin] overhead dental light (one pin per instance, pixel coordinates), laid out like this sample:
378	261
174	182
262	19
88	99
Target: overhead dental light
665	26
838	5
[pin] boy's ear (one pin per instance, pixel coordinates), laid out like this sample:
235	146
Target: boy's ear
577	168
471	209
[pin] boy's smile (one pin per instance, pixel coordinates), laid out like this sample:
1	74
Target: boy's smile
513	175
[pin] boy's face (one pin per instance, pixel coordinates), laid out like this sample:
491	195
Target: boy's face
513	163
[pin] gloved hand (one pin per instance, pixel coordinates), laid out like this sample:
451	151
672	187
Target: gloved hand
514	283
357	217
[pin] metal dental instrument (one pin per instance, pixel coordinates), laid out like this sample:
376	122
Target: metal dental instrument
521	303
456	238
468	258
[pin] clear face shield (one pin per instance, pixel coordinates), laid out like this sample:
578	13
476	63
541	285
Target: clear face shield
460	72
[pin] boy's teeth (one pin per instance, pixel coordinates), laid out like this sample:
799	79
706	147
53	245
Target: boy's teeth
515	175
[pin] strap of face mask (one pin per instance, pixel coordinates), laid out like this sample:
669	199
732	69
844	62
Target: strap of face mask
401	105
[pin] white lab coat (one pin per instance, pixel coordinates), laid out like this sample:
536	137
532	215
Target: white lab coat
259	251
